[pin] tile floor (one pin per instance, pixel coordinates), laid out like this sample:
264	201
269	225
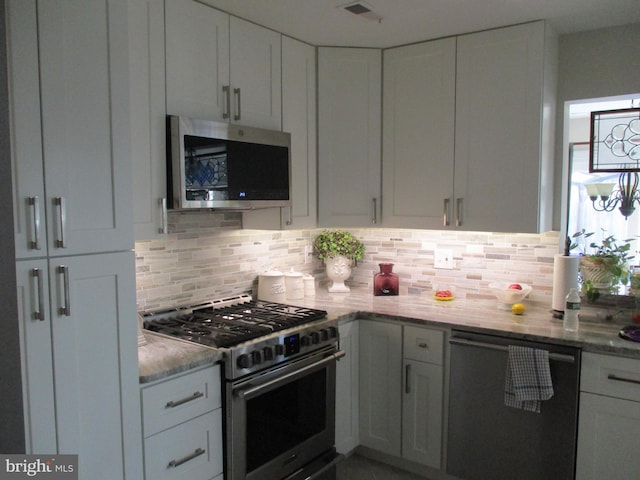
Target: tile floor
357	467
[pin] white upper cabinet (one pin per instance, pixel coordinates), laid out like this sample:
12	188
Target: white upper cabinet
299	119
69	119
418	133
467	137
148	121
505	103
221	68
197	56
349	128
255	75
84	88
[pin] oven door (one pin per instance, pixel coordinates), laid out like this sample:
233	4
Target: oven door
280	420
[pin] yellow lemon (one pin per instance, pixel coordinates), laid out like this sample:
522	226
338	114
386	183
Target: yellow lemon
518	308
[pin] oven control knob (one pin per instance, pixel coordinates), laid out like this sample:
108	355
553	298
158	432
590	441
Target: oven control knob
279	349
256	356
333	332
305	341
267	352
244	361
315	338
324	334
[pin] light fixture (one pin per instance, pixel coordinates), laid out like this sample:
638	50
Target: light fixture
615	147
606	196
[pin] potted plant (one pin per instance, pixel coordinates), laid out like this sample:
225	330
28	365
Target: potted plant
606	266
339	250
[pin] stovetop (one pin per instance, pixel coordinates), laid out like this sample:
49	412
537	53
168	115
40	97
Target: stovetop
224	326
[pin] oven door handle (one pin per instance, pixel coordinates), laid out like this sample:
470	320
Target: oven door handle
244	393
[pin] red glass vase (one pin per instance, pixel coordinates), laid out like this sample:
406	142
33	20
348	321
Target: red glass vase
385	282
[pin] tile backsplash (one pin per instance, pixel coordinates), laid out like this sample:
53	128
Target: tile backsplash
208	255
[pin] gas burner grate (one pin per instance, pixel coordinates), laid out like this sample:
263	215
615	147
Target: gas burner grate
230	325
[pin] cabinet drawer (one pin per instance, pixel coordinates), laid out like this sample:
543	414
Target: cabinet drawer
179	399
190	450
423	344
612	376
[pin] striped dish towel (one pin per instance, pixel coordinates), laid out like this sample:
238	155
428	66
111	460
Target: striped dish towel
528	378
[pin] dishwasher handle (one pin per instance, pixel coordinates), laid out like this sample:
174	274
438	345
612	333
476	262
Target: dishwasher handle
560	357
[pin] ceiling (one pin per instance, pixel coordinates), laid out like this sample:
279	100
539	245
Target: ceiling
325	23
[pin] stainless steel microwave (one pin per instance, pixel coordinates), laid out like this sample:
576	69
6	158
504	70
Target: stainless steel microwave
220	165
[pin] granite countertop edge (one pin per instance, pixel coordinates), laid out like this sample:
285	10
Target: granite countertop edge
163	356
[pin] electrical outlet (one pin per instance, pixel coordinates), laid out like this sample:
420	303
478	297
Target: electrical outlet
308	253
443	258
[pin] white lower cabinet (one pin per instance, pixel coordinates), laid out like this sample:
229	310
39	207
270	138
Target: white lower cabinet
347	392
79	358
609	422
380	386
401	415
422	401
182	424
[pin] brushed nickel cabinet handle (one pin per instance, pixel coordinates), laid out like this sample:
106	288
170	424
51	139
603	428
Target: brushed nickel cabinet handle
458	212
290	219
164	228
65	309
407	372
237	93
34	203
61	203
445	216
180	461
612	376
39	313
374	218
190	398
226	105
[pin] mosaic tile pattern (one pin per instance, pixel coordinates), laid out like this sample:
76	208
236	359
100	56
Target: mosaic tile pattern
208	255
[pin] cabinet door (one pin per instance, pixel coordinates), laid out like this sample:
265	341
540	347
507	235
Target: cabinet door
349	123
299	119
422	413
84	84
95	358
500	172
197	56
418	134
347	395
148	122
255	75
380	386
37	362
26	142
608	440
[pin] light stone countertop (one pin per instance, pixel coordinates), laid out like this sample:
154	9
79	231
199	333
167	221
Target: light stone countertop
163	356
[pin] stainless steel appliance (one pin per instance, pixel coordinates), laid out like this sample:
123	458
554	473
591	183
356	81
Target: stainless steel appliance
279	383
487	439
218	165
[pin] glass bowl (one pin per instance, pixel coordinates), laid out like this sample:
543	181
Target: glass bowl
508	296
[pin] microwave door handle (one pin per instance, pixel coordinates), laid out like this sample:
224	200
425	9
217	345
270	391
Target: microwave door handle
249	392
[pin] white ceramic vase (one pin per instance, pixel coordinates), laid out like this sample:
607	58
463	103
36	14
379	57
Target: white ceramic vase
338	270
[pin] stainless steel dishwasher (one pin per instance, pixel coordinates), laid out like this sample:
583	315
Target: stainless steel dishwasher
488	440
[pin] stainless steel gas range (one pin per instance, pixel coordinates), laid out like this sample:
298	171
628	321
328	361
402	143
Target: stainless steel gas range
279	383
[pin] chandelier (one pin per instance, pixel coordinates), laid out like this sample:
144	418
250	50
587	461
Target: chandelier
615	147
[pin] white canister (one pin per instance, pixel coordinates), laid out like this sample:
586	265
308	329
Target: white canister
294	285
309	285
271	286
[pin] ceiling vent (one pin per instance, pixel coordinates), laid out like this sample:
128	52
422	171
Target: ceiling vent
363	10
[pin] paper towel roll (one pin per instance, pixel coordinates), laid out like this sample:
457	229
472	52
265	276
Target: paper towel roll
565	277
